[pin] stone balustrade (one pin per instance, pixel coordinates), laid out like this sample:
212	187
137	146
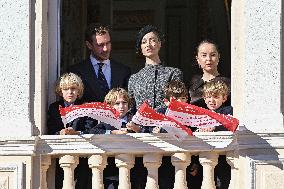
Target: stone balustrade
126	147
240	148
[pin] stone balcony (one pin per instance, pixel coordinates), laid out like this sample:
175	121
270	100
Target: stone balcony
253	157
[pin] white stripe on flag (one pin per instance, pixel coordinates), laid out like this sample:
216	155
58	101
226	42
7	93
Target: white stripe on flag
102	115
192	120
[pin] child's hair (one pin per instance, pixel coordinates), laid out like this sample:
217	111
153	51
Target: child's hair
214	88
115	93
175	89
68	80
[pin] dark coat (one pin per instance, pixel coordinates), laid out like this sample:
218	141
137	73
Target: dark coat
92	91
101	128
226	110
196	87
55	124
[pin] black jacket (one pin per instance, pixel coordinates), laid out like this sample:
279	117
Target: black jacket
93	93
55	124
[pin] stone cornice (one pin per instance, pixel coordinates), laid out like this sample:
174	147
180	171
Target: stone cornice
18	146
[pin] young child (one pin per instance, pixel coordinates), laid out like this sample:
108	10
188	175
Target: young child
70	89
215	94
173	90
119	99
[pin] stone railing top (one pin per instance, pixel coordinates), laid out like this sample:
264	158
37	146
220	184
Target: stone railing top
139	143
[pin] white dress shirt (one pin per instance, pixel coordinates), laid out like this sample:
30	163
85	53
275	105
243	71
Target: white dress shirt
106	68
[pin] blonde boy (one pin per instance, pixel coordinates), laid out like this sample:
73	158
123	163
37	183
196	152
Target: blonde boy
119	99
215	94
69	88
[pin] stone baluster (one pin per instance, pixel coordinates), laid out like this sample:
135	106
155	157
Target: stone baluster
97	163
180	161
68	163
208	160
152	162
45	163
232	161
124	162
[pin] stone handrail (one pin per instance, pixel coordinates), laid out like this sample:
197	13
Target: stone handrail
126	147
97	148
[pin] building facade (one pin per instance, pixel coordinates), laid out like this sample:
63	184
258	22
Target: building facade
29	66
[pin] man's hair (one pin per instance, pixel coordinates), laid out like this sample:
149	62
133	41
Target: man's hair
96	29
214	88
115	93
175	89
68	80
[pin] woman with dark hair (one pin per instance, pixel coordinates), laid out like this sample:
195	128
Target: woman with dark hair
149	83
207	57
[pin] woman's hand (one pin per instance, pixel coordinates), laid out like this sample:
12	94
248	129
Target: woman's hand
132	126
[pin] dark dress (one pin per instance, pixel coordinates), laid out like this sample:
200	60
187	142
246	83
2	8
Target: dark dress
196	87
149	84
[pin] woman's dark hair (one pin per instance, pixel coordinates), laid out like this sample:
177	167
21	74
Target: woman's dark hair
209	41
143	31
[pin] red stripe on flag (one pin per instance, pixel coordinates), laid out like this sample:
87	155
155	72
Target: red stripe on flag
96	110
147	116
186	113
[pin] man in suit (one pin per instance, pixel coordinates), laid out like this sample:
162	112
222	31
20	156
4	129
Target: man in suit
99	73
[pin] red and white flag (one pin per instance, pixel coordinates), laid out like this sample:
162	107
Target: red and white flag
195	116
96	110
147	116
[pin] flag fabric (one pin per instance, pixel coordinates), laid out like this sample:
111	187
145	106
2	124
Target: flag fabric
147	116
96	110
195	116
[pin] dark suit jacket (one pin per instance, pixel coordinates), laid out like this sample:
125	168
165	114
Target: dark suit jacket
92	91
55	124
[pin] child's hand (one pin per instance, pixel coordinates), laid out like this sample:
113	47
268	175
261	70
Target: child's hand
156	129
206	129
63	132
118	132
132	126
69	131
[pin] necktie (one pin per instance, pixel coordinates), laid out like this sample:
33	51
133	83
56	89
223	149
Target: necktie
102	79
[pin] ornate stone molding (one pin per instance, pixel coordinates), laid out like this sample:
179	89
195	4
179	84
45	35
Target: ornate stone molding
261	177
10	172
